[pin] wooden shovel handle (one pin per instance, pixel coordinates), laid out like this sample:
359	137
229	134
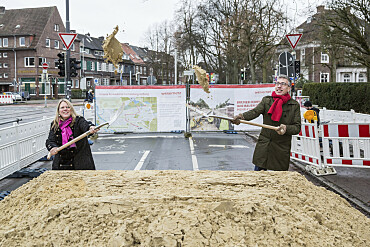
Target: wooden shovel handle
260	125
75	140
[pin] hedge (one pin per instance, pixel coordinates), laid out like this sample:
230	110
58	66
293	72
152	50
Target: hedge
78	93
339	96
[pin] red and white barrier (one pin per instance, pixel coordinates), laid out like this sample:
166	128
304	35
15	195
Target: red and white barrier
346	144
306	146
6	99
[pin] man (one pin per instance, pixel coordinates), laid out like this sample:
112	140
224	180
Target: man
308	106
272	150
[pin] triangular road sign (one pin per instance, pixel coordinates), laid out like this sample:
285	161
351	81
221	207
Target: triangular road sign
293	39
67	39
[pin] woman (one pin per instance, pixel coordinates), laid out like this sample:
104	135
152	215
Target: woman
66	126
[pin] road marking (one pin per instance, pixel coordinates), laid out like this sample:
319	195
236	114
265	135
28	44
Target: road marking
193	157
228	146
110	152
141	162
137	137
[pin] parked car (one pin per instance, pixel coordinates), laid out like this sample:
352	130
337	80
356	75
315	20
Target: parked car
15	96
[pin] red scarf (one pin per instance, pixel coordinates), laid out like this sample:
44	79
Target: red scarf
277	107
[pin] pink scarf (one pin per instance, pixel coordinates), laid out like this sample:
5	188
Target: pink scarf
277	107
66	131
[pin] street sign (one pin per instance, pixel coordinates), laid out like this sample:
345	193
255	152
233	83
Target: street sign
67	39
45	66
286	64
293	39
96	81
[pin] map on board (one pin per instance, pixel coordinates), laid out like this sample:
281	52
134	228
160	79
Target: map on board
139	114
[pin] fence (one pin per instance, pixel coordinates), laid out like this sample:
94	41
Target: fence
343	116
338	145
6	99
22	144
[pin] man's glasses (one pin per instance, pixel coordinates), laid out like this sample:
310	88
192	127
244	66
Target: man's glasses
281	84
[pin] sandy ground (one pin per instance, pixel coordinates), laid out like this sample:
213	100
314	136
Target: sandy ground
178	208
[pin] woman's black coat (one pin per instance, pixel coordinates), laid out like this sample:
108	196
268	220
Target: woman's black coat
81	156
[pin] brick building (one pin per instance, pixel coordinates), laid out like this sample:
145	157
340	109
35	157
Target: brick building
28	38
317	62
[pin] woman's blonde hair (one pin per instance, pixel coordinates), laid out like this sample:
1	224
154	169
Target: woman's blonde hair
57	118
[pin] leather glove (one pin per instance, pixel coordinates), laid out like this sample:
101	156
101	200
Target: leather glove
282	129
237	118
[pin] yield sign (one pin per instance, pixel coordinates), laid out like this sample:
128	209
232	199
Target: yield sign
293	39
67	39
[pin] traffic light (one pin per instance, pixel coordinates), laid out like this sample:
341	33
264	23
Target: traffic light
61	65
297	69
292	86
242	75
74	67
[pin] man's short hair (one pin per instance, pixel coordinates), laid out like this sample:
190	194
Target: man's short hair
284	77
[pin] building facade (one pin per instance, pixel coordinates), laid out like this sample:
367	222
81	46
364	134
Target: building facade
29	37
319	64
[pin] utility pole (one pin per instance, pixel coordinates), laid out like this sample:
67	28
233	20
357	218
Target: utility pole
68	82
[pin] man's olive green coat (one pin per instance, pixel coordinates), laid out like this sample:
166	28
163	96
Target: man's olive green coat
273	150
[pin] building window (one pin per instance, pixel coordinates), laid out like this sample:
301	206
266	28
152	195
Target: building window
22	41
324	77
1	42
324	58
56	44
99	66
56	62
56	27
77	83
0	55
73	47
87	51
84	65
42	60
5	75
1	65
64	47
5	54
303	57
5	65
5	43
92	66
346	78
47	42
361	77
29	62
104	67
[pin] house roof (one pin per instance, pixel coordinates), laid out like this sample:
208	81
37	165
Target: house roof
30	21
141	52
91	42
132	54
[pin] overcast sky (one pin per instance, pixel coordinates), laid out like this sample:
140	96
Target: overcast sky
135	17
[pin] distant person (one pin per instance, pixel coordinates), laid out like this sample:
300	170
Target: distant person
272	150
308	106
66	126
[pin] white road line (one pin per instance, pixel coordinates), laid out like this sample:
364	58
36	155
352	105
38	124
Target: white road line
193	157
137	137
228	146
141	162
110	152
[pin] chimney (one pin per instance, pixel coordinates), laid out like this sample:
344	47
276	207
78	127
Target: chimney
101	38
2	10
320	9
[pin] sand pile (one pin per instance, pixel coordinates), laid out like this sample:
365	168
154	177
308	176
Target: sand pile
178	208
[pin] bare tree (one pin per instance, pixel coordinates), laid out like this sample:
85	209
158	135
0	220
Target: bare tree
351	19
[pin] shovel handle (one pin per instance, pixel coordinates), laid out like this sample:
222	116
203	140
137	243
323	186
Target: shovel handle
76	139
260	125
